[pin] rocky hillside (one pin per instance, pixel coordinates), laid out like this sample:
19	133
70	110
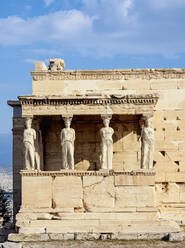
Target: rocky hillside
6	179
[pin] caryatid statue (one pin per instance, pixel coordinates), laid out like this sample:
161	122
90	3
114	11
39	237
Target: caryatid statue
38	147
29	140
147	144
106	133
67	138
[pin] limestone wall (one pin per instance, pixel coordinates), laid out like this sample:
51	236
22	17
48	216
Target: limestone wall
94	192
90	204
169	157
168	121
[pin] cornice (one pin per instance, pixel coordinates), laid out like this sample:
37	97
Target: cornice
86	173
149	99
13	103
116	74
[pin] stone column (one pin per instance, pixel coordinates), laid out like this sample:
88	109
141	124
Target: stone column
106	145
29	140
67	138
147	143
38	146
18	160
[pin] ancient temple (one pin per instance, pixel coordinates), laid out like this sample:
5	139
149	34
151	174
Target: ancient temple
99	154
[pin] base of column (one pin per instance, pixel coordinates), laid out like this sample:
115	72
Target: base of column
98	230
95	226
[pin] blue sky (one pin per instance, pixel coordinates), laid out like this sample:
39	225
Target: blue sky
87	34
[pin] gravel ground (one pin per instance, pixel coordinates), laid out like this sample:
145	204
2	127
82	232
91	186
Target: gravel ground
106	244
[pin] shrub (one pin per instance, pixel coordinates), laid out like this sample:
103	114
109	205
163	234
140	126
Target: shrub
5	211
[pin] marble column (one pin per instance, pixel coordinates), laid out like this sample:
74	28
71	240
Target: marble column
106	145
38	146
67	138
147	143
29	138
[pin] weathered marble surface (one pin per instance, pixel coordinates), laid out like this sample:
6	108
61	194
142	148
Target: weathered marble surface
147	144
106	145
99	191
56	65
67	142
29	145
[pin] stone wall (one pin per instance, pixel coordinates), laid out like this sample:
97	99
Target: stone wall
88	192
169	156
90	205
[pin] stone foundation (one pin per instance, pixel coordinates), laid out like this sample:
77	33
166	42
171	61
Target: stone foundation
90	205
92	191
98	229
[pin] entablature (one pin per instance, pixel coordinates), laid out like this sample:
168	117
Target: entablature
85	105
115	74
89	100
87	173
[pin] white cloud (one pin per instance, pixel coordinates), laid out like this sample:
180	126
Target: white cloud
109	9
101	28
48	2
61	25
126	5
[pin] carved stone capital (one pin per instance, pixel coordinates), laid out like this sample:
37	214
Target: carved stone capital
67	117
28	119
106	116
145	119
146	116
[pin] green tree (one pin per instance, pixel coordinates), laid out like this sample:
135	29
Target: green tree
5	211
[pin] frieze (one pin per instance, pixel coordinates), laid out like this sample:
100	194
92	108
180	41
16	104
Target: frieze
86	173
129	99
145	74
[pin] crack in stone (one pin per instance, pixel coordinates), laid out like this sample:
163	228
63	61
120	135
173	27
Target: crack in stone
112	196
94	184
83	200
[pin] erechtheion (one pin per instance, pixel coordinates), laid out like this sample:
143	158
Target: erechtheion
99	154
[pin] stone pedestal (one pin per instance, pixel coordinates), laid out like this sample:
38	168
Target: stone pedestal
72	204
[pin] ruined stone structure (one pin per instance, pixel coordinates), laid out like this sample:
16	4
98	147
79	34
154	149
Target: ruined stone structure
109	153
